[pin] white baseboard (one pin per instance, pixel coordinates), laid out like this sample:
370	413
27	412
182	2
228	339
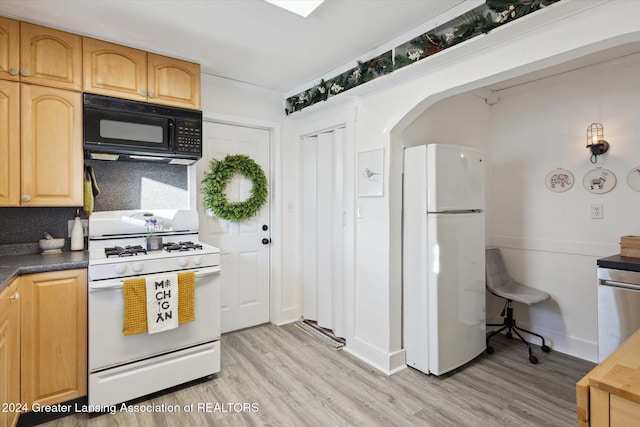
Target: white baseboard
286	316
561	343
385	362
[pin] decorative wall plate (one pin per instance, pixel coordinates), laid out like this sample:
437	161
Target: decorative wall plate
599	180
633	178
559	180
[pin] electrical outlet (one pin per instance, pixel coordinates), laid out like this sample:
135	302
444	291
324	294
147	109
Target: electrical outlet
597	211
85	226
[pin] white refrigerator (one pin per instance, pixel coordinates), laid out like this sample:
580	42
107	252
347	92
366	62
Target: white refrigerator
443	257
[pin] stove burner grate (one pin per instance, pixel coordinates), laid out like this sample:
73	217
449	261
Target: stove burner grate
128	250
181	246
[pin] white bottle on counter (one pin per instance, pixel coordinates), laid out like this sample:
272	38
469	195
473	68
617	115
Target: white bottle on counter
77	234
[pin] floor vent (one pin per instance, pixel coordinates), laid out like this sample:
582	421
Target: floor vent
321	334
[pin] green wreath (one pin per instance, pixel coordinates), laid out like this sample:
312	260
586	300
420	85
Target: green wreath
216	179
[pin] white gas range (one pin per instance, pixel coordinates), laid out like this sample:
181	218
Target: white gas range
124	367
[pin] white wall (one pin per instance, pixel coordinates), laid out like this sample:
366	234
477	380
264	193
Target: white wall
563	31
235	99
552	241
461	120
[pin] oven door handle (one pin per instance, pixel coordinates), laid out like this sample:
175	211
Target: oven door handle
119	283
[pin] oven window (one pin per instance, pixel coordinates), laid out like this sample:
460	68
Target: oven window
114	129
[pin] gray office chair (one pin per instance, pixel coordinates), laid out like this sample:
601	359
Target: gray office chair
502	285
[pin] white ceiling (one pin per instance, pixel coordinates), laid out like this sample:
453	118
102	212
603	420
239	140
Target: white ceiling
246	40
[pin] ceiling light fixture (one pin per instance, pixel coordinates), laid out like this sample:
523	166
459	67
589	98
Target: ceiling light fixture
299	7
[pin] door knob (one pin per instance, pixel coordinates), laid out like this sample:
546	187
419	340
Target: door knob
266	241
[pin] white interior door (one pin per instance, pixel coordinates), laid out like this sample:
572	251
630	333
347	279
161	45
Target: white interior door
244	258
322	229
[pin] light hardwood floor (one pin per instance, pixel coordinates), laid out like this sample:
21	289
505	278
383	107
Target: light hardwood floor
281	376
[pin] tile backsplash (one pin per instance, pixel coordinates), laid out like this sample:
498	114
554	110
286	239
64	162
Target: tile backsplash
123	185
27	225
138	185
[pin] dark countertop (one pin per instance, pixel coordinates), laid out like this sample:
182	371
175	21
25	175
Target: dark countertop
620	262
14	265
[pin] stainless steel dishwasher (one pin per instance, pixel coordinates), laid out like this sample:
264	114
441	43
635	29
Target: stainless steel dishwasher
618	308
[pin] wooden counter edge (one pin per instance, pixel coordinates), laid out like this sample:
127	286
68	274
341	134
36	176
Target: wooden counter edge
582	401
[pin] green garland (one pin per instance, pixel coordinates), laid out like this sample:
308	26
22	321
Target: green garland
216	179
481	20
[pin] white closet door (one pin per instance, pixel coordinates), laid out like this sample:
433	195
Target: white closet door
325	220
337	250
309	215
322	228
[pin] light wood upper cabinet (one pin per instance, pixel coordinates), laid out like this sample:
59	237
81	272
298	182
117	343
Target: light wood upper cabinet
9	352
51	149
123	72
9	49
50	57
40	55
173	82
114	70
9	143
54	336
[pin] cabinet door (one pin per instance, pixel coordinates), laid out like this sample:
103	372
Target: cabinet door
9	351
51	134
623	412
173	82
9	49
9	143
114	70
50	57
54	336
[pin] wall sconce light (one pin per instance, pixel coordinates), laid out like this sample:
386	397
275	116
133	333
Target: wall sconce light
596	142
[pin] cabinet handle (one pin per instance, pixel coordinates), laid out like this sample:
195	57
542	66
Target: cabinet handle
152	95
25	72
143	93
26	197
16	297
13	71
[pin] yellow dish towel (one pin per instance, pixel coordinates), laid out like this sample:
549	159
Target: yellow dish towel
135	303
91	190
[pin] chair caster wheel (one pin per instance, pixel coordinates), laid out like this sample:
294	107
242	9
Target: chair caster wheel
489	350
533	360
509	335
546	349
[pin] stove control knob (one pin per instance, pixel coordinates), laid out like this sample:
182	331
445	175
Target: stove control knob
119	268
137	267
182	262
197	260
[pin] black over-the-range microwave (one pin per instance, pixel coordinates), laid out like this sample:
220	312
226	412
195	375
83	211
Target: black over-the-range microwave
119	129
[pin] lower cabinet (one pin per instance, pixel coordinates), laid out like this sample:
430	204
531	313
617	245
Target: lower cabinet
611	410
53	337
609	395
10	355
